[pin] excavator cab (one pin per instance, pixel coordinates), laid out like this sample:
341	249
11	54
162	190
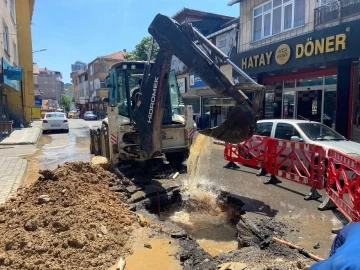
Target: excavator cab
124	85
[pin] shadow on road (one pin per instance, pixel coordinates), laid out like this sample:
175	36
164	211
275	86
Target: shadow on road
252	205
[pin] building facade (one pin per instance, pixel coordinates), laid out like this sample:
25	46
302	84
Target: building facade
81	91
50	84
306	54
98	70
23	11
78	65
11	101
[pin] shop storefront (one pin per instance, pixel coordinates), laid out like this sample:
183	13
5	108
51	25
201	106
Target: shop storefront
312	76
215	110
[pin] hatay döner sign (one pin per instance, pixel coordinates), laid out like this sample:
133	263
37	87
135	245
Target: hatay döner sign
308	49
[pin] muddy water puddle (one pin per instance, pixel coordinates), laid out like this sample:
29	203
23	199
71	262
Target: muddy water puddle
159	256
205	221
56	149
212	232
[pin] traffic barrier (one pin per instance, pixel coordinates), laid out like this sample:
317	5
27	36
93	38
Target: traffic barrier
252	152
343	183
305	164
296	161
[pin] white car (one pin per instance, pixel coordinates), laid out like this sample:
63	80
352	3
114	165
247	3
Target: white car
308	132
55	121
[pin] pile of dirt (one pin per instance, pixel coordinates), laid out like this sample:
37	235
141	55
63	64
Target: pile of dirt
68	219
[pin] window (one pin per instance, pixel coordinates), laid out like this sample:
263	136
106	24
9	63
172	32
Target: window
264	129
15	56
12	9
324	2
276	16
285	131
6	37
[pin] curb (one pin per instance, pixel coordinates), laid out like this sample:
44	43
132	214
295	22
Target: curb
24	143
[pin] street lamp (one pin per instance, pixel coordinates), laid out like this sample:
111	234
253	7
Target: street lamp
41	50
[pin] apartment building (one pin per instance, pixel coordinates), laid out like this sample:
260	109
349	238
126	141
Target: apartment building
81	91
98	70
50	84
78	65
306	54
10	72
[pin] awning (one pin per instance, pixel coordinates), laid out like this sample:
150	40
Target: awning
233	2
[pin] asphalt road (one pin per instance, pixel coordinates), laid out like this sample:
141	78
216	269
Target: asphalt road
284	201
56	148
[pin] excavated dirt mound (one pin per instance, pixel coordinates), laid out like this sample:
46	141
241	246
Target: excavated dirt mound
67	220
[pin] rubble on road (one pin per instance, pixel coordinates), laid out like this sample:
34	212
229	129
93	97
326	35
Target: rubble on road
68	219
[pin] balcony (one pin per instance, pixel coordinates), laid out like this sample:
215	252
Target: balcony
336	11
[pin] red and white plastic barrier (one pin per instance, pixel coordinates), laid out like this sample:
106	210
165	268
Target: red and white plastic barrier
343	183
252	152
306	164
297	162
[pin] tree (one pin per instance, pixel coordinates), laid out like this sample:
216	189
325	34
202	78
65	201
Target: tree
141	50
66	102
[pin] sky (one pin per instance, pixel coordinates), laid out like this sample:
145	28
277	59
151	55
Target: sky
74	30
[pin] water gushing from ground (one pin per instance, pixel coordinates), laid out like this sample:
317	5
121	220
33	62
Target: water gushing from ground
203	217
198	162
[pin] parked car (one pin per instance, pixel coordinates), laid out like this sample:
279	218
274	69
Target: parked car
55	121
89	115
308	132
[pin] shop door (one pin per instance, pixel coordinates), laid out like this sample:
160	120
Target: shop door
288	104
329	107
309	105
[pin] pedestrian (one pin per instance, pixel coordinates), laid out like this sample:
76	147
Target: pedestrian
344	252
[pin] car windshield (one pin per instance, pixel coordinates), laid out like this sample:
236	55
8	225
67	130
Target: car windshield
320	132
50	115
89	113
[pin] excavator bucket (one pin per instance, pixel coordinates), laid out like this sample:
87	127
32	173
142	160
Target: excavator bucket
241	122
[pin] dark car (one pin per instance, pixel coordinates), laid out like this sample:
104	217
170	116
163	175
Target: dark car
89	115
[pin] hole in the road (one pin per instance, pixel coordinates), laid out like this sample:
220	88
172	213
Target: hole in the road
208	220
205	217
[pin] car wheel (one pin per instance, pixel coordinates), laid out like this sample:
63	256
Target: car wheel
66	130
44	131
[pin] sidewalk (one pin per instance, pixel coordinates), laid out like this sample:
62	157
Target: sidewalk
24	136
12	173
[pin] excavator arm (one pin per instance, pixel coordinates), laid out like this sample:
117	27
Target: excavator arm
179	40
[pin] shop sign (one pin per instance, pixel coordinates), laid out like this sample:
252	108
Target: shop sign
38	101
195	81
329	44
181	85
11	75
226	42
